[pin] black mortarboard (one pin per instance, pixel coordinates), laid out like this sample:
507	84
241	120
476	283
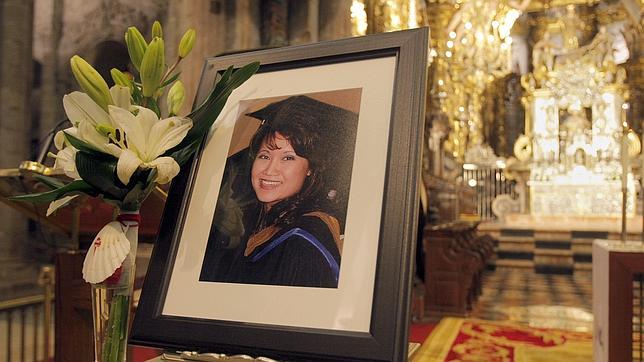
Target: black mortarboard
336	126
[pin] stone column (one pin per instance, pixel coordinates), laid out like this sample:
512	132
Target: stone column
303	22
48	24
16	19
335	19
208	18
15	81
243	18
274	23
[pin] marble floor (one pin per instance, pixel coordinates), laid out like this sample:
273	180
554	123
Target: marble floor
560	301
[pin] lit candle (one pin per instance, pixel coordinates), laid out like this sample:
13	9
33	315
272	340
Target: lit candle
624	159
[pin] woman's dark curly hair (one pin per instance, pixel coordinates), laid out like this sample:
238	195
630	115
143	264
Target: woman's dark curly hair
306	143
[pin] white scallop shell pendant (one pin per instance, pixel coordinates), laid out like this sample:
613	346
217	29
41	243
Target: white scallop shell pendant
106	254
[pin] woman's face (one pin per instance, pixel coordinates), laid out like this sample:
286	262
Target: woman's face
278	172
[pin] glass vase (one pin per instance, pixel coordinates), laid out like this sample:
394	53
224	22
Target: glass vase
112	300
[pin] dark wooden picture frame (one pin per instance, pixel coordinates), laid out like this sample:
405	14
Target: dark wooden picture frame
386	336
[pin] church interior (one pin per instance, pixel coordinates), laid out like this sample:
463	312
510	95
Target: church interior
530	244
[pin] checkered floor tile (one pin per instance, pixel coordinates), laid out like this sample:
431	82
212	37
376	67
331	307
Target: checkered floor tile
538	300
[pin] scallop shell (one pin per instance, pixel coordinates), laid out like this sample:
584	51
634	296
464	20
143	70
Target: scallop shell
106	254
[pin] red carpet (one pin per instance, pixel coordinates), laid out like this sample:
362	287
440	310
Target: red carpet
418	332
456	339
142	354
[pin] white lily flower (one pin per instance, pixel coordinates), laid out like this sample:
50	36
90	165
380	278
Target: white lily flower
66	161
86	115
57	204
106	254
148	137
89	134
121	96
79	107
59	139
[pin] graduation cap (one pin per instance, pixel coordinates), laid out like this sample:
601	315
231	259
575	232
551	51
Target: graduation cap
333	128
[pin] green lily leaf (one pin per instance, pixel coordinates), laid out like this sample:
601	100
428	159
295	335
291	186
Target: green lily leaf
222	81
137	94
170	80
140	191
152	104
204	119
81	145
78	186
133	199
51	182
207	113
231	80
100	172
152	175
182	155
216	92
244	73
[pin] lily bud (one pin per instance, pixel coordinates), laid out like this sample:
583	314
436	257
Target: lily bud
121	78
91	82
152	67
136	46
187	42
157	31
176	96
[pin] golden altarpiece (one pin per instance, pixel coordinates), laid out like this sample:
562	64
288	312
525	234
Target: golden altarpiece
575	140
576	62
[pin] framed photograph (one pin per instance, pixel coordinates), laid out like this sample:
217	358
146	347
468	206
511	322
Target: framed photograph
292	235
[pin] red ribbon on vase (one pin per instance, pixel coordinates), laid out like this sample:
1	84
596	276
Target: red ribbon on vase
122	218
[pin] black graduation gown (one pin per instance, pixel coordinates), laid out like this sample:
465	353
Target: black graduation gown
302	254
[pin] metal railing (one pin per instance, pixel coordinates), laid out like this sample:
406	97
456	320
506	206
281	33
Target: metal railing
488	184
26	324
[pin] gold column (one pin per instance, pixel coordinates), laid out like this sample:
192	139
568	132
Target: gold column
440	109
392	15
635	64
474	48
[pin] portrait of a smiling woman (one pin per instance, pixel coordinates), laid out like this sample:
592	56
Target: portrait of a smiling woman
281	210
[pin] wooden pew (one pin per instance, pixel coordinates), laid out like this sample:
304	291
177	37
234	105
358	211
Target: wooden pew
455	259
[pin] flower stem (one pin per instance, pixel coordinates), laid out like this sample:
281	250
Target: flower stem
114	345
170	70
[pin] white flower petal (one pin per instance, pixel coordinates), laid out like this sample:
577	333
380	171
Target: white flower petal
56	204
66	161
146	119
126	166
80	107
121	96
113	150
166	134
59	138
147	138
135	131
89	134
167	169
